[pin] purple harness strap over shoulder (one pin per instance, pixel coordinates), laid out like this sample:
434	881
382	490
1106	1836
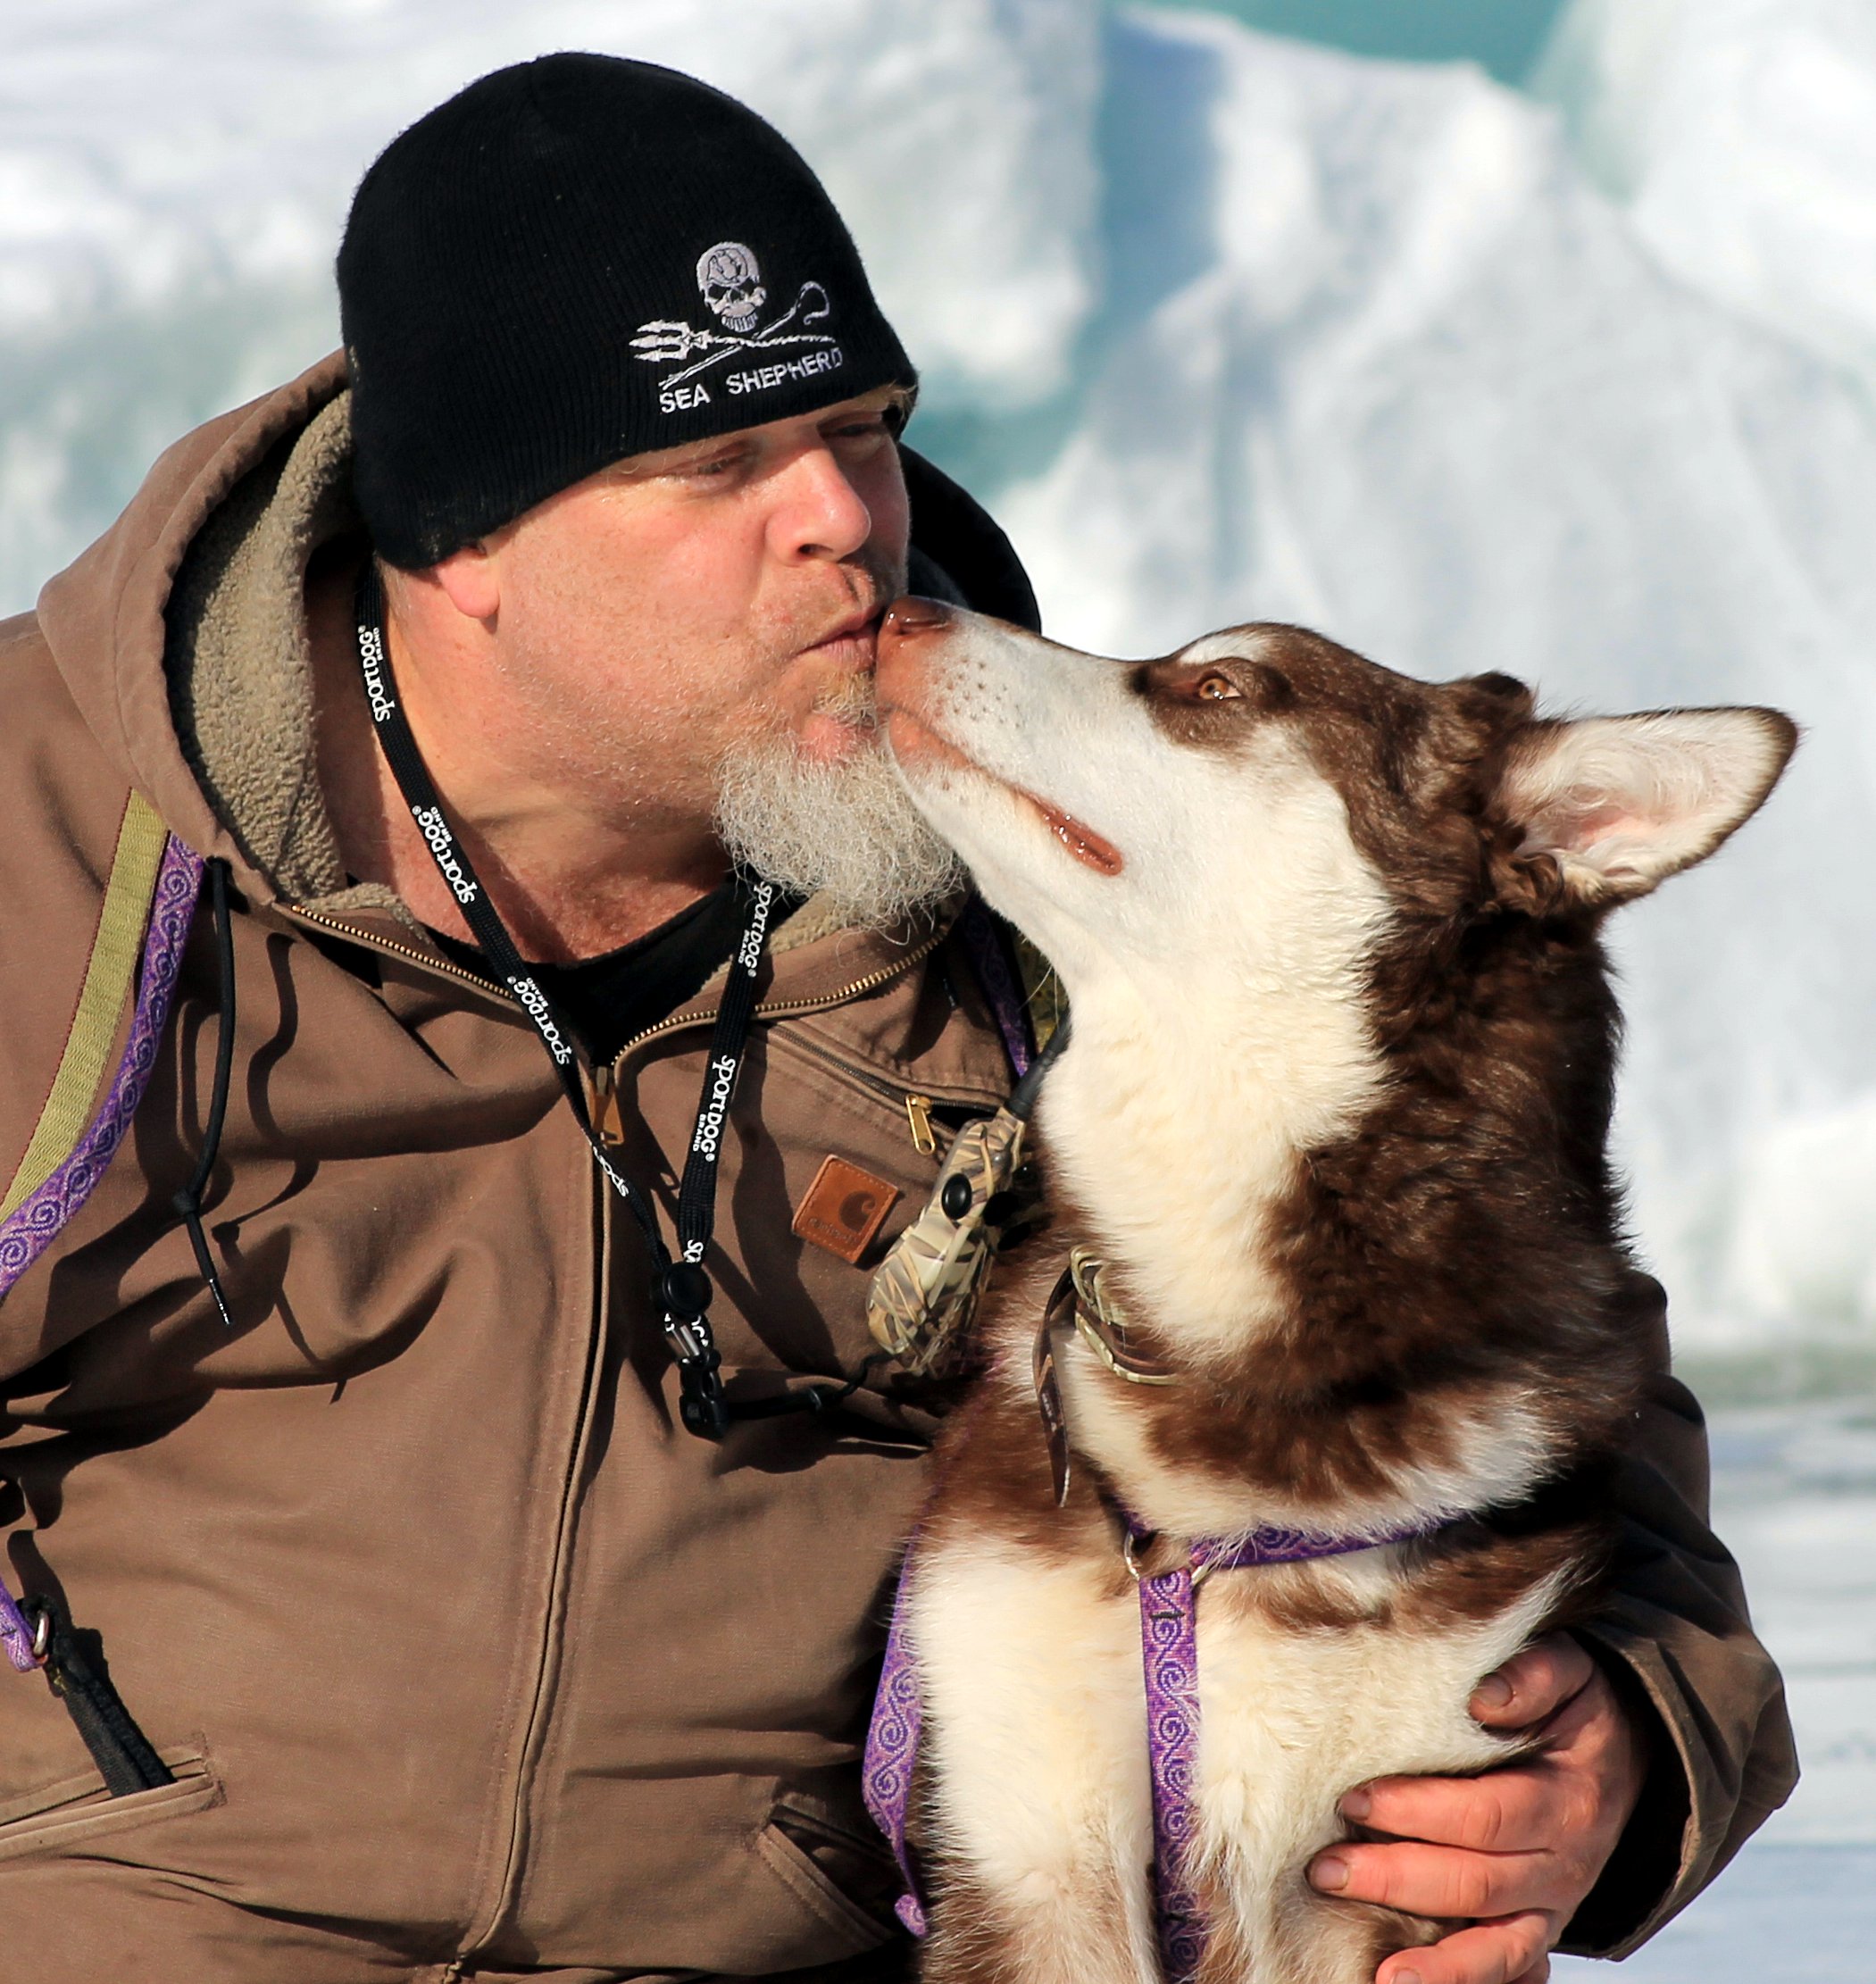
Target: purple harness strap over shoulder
1169	1655
16	1633
1169	1651
999	984
37	1222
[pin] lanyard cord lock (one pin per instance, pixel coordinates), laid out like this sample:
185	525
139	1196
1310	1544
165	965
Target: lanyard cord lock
685	1289
702	1402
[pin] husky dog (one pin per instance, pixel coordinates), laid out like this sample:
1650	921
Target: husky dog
1326	1154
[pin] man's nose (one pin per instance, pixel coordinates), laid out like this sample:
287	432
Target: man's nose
826	516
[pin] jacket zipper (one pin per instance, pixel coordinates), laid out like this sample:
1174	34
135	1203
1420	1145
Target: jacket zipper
369	940
790	1009
551	1645
603	1088
918	1107
602	1084
602	1081
604	1076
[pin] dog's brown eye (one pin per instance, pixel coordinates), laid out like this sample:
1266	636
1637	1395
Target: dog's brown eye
1215	689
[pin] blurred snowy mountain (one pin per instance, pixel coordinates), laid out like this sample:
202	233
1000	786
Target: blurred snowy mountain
1740	136
1230	327
173	178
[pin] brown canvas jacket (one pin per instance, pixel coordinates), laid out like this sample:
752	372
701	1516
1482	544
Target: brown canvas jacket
468	1659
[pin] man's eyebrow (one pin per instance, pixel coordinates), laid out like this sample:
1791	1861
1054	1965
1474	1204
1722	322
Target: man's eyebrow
882	399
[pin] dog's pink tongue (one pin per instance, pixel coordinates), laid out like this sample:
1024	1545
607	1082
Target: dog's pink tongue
1082	842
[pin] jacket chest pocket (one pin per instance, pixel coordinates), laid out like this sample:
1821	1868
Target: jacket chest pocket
794	1259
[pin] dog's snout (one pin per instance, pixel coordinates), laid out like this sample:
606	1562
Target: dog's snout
912	615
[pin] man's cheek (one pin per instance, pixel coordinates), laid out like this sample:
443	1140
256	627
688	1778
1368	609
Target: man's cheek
882	489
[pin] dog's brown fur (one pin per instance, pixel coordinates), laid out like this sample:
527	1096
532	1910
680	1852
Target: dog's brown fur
1462	1239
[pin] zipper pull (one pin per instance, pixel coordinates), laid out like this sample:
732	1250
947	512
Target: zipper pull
605	1106
918	1114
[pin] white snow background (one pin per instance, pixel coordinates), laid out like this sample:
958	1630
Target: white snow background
1577	382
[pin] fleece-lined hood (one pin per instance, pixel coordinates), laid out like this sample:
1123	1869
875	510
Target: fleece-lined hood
117	617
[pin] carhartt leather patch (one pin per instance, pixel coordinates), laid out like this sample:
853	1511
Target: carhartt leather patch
844	1208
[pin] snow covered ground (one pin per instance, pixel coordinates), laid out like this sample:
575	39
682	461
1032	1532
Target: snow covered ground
1578	384
1780	1915
1795	1497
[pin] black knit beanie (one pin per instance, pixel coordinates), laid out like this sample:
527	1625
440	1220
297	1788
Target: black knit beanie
577	259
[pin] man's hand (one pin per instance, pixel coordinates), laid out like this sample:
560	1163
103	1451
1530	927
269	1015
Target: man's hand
1518	1848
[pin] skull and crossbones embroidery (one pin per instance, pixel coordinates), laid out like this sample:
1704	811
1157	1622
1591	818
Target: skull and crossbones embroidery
731	285
730	281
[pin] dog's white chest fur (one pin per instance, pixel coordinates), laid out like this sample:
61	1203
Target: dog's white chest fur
1034	1688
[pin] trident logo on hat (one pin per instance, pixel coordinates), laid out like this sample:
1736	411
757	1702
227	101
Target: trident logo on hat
729	279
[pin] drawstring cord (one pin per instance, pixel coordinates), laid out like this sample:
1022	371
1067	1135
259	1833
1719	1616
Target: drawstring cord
188	1201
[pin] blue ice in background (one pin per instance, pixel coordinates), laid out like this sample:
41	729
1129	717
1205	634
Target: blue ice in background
1503	36
1574	379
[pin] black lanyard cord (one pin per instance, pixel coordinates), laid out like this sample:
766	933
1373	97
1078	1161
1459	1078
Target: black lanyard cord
681	1286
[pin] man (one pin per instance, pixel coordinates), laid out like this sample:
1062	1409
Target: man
369	1461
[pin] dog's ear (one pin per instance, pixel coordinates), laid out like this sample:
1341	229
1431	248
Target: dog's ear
1602	810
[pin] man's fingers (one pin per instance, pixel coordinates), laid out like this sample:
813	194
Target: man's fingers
1532	1684
1508	1951
1443	1881
1517	1808
1510	1853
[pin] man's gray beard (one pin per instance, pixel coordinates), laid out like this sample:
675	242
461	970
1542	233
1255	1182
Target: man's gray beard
845	830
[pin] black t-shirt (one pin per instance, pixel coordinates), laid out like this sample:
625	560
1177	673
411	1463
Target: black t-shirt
609	1000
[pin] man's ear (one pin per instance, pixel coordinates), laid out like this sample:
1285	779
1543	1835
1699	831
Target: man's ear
1602	810
470	581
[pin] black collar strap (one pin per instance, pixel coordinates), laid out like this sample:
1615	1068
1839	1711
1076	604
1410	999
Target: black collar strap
681	1286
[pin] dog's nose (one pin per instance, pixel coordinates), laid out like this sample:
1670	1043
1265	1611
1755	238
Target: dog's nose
912	615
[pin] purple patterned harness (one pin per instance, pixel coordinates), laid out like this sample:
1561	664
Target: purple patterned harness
1169	1651
33	1225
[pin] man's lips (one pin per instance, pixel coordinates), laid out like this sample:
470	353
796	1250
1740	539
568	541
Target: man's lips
852	627
919	740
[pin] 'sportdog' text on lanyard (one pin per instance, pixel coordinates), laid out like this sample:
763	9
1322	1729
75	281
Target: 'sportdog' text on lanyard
681	1286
